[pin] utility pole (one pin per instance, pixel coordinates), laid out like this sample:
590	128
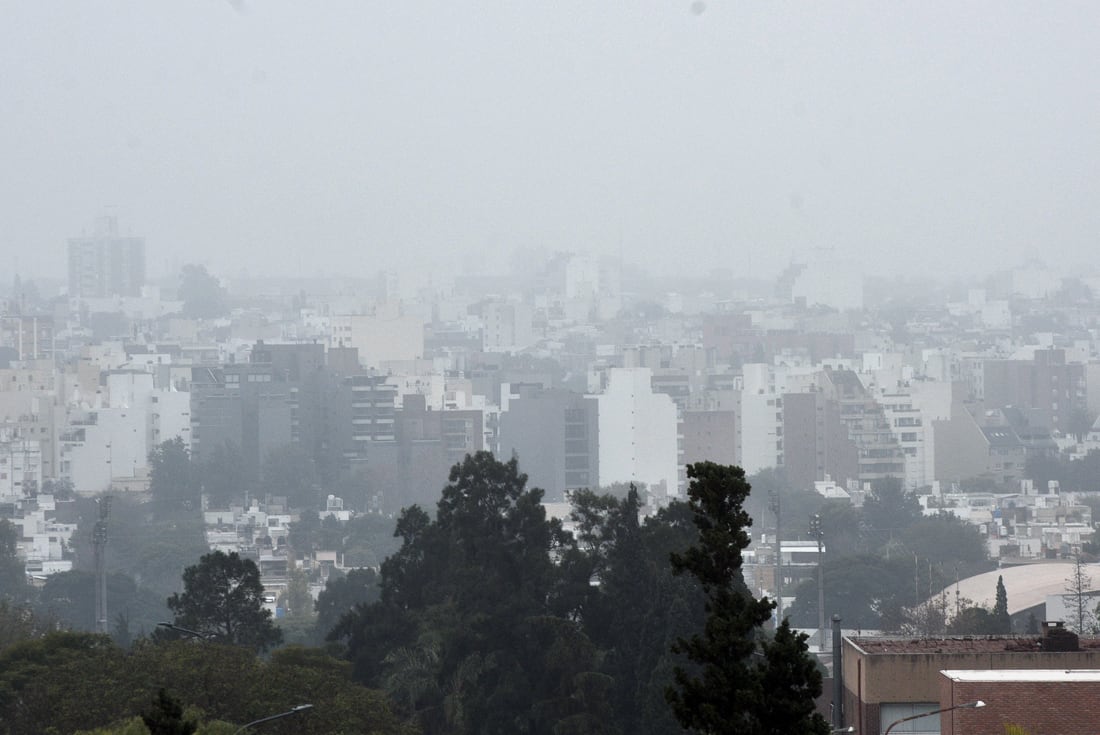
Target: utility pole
776	508
99	543
818	533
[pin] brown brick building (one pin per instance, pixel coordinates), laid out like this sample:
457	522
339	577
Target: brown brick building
1040	701
885	679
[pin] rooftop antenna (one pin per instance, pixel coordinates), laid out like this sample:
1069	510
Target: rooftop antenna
99	542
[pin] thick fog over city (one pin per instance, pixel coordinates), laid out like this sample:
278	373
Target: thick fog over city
282	137
549	368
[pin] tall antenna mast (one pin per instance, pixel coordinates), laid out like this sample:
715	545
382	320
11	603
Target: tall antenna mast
99	542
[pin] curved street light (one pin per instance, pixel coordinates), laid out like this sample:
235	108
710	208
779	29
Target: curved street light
968	705
186	631
292	711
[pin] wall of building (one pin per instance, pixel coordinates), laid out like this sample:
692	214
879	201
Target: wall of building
638	432
1063	707
908	675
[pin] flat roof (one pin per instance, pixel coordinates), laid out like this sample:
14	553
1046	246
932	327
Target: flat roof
958	644
1025	675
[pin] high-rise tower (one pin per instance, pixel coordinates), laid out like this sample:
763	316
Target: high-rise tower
106	263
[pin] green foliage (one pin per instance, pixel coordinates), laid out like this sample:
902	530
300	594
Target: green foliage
222	476
864	590
1001	618
299	603
69	597
1078	475
13	577
289	472
889	510
464	636
173	480
342	594
944	539
974	621
66	683
131	726
152	551
223	598
165	717
60	489
18	623
730	689
202	295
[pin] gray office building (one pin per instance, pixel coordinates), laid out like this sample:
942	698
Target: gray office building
106	263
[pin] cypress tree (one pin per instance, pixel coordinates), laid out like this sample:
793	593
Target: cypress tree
1001	620
737	683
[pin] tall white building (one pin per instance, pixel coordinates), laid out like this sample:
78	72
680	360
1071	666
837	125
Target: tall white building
508	326
638	433
761	419
106	263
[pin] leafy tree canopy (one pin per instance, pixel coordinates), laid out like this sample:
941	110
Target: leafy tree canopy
464	635
223	598
202	294
173	481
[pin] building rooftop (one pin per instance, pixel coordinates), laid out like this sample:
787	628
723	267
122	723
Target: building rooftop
1027	585
1025	675
959	644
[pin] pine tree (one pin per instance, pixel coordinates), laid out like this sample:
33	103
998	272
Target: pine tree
166	717
1001	620
732	686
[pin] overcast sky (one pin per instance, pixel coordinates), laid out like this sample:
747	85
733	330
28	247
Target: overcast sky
343	137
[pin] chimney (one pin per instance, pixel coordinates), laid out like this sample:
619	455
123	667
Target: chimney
1057	639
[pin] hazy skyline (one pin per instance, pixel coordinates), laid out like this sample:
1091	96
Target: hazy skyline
345	137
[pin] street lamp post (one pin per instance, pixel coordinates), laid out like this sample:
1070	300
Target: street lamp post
776	508
817	532
186	631
968	705
292	711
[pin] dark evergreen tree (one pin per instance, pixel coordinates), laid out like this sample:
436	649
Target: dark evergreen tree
889	510
222	476
1001	620
166	717
464	635
13	576
731	687
223	598
173	482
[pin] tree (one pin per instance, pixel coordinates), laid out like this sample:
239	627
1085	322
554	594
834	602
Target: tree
289	472
172	479
165	717
223	598
731	688
13	576
222	476
889	509
202	294
867	591
1002	623
299	603
1076	598
973	621
466	634
342	594
60	489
